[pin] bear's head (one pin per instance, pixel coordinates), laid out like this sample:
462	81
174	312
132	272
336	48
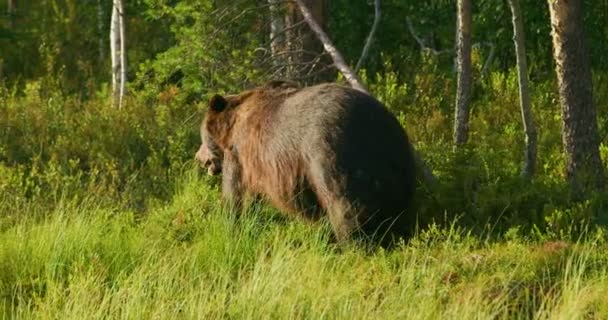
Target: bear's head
215	132
223	114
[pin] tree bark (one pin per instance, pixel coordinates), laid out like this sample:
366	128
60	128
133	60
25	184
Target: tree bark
524	93
310	43
463	91
118	52
277	39
290	40
584	170
305	49
123	54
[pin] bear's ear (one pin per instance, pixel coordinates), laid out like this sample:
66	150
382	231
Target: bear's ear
218	103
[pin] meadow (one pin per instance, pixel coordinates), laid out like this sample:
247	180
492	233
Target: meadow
190	259
104	214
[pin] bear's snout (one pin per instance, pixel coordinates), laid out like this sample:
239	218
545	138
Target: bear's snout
213	169
206	161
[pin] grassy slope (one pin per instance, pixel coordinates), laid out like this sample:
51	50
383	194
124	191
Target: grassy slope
190	259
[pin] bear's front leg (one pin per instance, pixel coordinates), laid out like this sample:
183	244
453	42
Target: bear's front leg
232	189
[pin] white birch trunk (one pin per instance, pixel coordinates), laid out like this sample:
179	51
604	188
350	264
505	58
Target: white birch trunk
123	54
463	91
276	27
118	53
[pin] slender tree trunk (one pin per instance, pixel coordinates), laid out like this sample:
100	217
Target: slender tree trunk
117	46
524	93
584	168
277	35
123	54
276	28
306	50
290	39
115	54
310	43
463	92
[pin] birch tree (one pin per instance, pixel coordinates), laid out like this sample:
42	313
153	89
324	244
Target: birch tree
118	52
580	138
463	56
524	94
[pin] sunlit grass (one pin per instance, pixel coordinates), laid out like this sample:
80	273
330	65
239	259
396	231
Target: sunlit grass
191	259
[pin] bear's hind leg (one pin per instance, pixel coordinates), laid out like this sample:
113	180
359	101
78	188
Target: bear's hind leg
342	214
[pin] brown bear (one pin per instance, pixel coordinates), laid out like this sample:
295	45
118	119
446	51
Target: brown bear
314	151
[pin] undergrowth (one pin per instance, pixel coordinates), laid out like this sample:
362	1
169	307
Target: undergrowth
103	214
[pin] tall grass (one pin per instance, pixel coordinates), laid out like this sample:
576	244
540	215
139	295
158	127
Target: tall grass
190	259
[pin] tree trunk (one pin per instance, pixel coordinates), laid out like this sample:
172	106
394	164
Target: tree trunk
290	40
524	93
115	54
310	44
306	52
118	52
123	54
580	138
463	92
277	39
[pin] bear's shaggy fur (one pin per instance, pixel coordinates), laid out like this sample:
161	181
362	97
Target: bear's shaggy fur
325	149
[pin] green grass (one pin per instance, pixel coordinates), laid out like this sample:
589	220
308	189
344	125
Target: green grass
191	259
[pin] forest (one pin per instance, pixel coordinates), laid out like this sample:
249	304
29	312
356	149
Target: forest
104	212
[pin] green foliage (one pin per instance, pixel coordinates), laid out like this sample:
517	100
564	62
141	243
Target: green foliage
60	144
209	39
68	41
481	186
105	215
